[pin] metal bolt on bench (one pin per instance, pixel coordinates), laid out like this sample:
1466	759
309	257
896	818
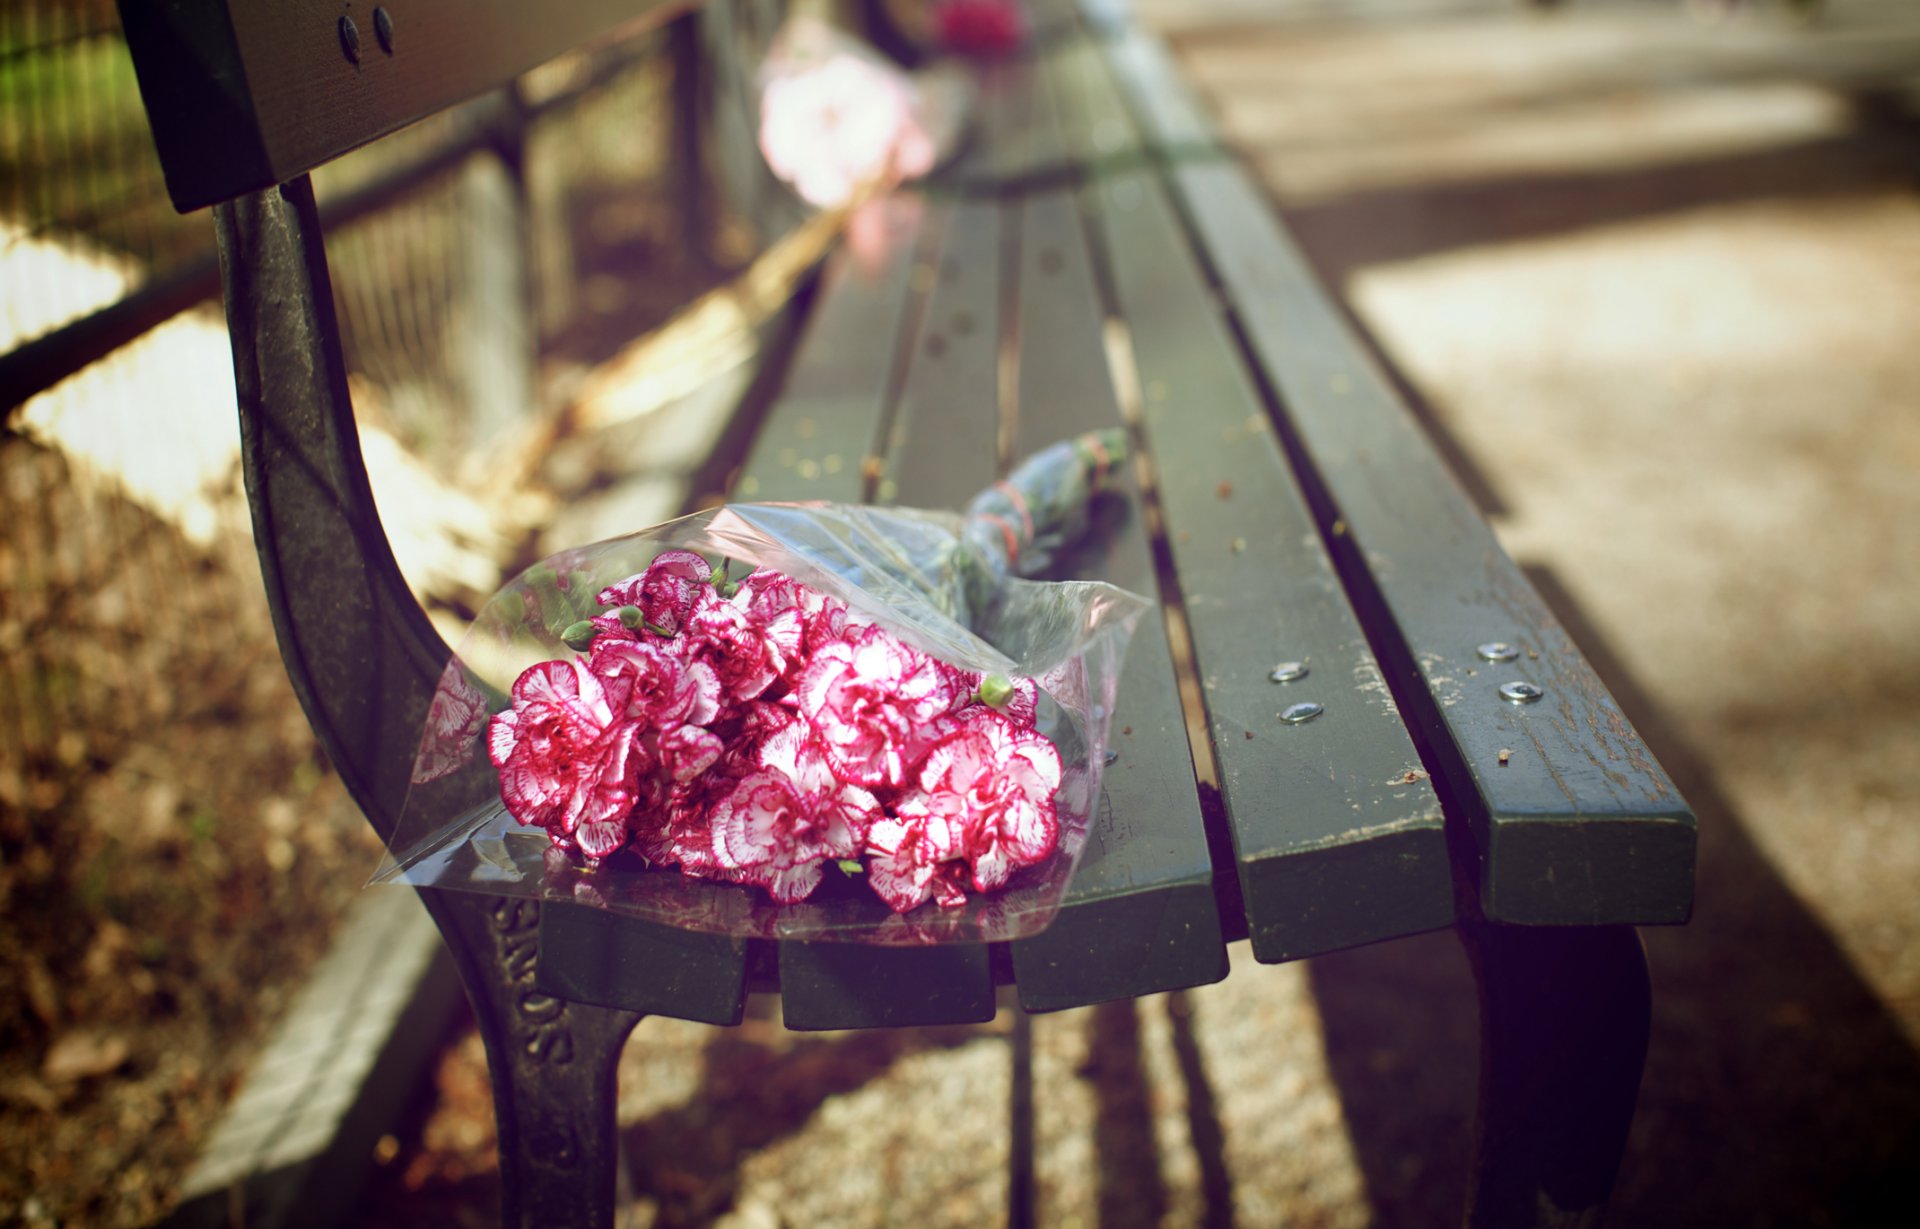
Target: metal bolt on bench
1095	217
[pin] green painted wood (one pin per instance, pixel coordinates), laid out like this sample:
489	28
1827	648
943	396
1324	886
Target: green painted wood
590	955
854	985
244	94
1140	915
1093	116
1338	837
940	450
942	445
818	434
1573	821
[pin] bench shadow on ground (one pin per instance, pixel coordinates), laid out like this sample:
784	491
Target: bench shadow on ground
1779	1089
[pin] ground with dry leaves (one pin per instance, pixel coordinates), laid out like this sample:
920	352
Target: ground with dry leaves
157	907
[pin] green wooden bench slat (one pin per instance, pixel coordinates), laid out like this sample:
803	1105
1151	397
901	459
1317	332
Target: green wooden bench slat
854	985
1339	838
940	451
1574	821
942	444
817	435
590	955
245	94
1091	111
1159	97
1141	915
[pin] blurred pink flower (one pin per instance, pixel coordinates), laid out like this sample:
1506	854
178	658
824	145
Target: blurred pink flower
836	116
984	28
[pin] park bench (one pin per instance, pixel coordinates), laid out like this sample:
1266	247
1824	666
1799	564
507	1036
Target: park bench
1390	733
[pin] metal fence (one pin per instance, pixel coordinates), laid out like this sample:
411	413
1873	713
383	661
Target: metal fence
129	599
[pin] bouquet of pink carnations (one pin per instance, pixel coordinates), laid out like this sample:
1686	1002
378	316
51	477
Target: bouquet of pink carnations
790	709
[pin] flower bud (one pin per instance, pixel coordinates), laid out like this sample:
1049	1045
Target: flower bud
579	635
630	616
995	691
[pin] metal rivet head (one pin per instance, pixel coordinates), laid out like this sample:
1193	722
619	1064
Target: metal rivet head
383	29
350	39
1306	710
1520	693
1289	672
1498	651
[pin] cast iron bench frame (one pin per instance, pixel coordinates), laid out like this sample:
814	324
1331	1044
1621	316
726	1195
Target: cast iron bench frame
1096	228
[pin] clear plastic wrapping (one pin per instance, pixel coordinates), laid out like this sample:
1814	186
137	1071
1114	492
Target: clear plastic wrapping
945	584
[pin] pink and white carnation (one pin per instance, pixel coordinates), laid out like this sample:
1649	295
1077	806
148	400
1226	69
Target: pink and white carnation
872	699
747	653
455	716
569	758
780	824
910	856
992	782
655	684
667	593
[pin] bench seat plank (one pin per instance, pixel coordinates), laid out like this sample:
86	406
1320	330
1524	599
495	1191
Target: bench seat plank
947	397
1338	836
1573	821
1141	915
817	435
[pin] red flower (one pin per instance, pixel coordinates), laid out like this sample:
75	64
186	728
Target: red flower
905	856
994	782
780	823
651	683
747	653
986	28
872	700
567	757
667	592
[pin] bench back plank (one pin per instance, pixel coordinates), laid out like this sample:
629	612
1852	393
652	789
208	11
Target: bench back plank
244	94
1573	822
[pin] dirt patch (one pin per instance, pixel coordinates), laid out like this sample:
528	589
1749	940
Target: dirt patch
173	849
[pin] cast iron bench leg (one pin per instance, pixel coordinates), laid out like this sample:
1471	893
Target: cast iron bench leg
1564	1014
552	1063
1020	1177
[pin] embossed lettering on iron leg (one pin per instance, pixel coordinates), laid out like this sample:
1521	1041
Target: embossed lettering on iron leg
540	1020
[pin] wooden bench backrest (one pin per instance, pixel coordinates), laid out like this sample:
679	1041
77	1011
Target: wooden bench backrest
245	94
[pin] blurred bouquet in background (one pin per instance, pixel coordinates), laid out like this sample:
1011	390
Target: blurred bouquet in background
838	119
